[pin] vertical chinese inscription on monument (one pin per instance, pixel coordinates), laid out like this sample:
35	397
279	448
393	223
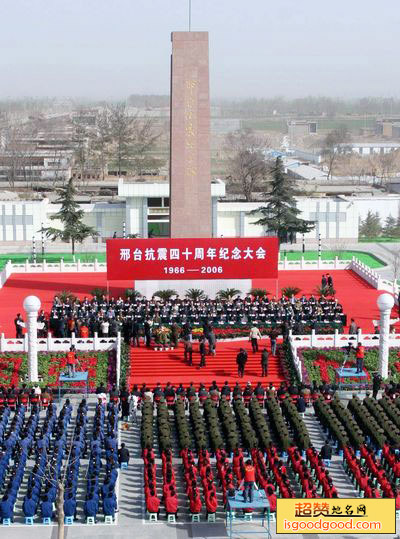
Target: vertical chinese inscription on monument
191	87
190	175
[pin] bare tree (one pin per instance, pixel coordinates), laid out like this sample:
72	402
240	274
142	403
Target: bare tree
100	140
14	154
385	164
81	141
144	138
133	138
246	161
340	246
121	133
58	166
334	145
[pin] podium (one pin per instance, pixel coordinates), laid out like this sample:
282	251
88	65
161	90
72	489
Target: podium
344	373
260	502
80	376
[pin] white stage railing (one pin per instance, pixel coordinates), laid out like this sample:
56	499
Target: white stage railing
60	344
304	264
51	267
364	271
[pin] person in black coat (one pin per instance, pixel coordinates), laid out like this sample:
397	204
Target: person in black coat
324	282
147	332
135	334
376	384
264	362
241	360
124	400
326	451
203	351
123	454
301	405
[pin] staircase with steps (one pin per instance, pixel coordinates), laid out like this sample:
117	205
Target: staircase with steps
151	366
340	479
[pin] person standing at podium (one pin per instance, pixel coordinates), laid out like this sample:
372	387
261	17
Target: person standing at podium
360	358
72	360
249	480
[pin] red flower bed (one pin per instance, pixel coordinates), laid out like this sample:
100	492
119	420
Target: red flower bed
10	371
323	363
59	365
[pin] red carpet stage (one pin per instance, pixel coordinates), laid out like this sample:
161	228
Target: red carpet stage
151	367
357	297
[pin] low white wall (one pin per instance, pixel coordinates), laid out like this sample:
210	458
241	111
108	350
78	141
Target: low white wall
304	264
53	344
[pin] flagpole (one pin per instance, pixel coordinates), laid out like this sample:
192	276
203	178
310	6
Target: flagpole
190	15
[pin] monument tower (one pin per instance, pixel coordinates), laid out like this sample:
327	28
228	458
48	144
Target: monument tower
190	175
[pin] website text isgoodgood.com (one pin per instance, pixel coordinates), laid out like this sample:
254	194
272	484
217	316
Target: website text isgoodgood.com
329	525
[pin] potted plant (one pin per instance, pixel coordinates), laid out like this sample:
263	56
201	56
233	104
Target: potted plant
325	292
98	293
65	295
165	295
258	293
132	294
290	291
195	294
228	294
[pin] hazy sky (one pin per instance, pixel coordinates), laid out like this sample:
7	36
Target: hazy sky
103	49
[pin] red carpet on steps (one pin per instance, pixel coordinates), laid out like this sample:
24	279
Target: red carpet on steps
150	366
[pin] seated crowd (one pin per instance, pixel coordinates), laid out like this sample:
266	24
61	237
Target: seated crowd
133	316
301	393
34	397
231	471
58	458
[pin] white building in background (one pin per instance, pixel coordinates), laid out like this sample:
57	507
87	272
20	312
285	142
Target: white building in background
335	218
144	209
371	148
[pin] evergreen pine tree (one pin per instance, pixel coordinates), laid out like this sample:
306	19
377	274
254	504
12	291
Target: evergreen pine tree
390	227
280	215
371	226
70	215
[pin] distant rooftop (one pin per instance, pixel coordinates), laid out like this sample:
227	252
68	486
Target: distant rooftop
372	144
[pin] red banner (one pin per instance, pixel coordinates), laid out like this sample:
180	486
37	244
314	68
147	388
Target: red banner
191	258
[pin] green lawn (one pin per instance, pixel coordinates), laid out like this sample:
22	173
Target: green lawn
379	240
368	259
19	258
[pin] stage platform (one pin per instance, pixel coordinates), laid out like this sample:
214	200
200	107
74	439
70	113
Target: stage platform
235	523
65	382
356	295
150	366
348	373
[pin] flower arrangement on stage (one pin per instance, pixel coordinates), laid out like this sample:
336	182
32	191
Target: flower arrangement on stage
233	331
197	332
162	335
